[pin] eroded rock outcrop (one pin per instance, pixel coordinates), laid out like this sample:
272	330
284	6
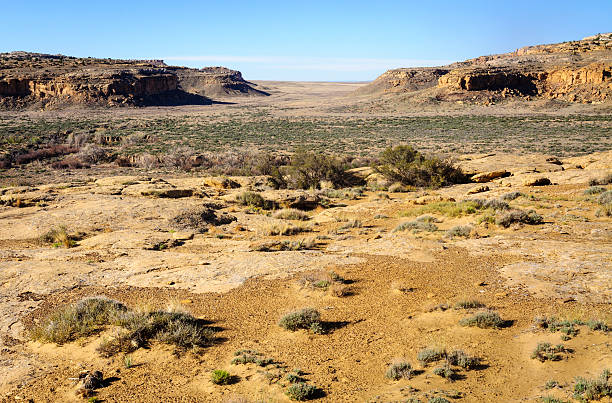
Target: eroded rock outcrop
54	80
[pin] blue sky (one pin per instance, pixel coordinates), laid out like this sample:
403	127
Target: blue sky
289	40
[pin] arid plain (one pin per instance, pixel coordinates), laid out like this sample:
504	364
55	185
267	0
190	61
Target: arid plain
186	225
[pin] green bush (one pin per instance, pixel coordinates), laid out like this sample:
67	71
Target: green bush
416	226
307	318
220	377
513	216
428	355
593	389
399	369
308	169
302	391
483	320
405	165
546	351
251	199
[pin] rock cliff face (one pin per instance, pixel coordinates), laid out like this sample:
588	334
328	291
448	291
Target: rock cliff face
48	80
578	71
214	81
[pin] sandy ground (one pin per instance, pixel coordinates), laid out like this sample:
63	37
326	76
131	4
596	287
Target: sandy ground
130	249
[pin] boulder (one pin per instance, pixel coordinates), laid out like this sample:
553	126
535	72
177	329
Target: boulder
541	181
489	176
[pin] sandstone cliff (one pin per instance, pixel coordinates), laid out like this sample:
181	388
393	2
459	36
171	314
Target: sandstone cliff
577	71
56	80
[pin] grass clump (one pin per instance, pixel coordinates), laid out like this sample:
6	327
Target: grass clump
568	328
416	226
429	355
59	236
438	399
550	399
220	377
548	352
92	315
469	304
291	214
446	208
399	369
484	320
519	216
407	166
302	391
284	229
593	389
463	231
306	318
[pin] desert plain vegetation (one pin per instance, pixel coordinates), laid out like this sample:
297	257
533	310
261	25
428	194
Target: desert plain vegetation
234	241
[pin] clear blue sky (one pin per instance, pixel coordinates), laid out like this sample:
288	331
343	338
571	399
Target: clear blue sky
289	40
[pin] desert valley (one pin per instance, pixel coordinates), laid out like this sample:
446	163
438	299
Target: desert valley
439	234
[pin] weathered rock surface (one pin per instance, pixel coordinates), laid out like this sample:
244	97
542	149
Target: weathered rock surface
55	80
576	71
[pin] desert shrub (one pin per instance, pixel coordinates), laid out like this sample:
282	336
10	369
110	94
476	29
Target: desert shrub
428	355
593	190
519	216
251	356
302	391
181	158
321	279
593	389
484	319
462	359
460	231
277	246
220	377
399	369
399	188
546	351
70	162
345	194
83	318
594	324
493	204
568	328
605	210
308	169
307	318
444	371
511	196
91	154
469	304
146	161
426	218
407	166
351	224
44	153
291	214
416	226
91	315
605	197
438	399
294	378
253	199
77	140
59	236
605	180
551	399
